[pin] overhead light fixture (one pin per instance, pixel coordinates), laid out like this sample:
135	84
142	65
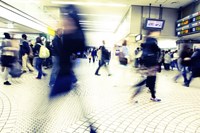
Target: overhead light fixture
89	3
10	25
19	18
97	22
97	30
174	2
99	15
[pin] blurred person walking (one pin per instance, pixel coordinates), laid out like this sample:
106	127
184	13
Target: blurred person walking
56	49
25	52
149	58
124	54
73	42
138	54
185	62
195	65
8	56
31	54
38	60
175	60
167	60
94	54
104	59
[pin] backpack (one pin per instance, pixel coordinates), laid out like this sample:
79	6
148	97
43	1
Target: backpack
43	52
150	54
105	53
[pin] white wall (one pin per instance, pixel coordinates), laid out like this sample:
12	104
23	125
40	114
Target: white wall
95	38
167	43
124	28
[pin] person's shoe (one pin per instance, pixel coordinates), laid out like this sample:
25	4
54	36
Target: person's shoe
24	71
44	74
7	83
109	74
186	85
31	71
155	99
97	74
38	78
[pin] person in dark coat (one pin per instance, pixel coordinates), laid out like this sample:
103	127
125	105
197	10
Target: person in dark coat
185	62
56	47
195	65
73	42
104	59
150	57
25	52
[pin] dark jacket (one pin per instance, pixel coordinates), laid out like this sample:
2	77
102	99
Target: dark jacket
36	49
195	63
105	54
56	45
24	48
71	44
185	54
150	52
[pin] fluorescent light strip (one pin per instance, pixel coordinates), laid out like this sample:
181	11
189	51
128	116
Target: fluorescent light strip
97	30
99	23
21	13
89	3
100	15
96	15
96	22
100	27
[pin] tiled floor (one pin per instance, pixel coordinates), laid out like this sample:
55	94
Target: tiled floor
103	100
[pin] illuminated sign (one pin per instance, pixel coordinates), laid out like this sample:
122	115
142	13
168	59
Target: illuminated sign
180	24
188	25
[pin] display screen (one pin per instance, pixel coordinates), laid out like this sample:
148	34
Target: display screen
197	18
188	31
188	25
195	29
154	24
186	22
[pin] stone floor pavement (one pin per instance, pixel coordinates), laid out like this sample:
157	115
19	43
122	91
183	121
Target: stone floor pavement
105	101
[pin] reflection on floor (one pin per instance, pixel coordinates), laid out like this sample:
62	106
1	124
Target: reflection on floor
25	107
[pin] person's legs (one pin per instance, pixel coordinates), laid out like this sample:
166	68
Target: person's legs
184	73
6	74
151	84
55	70
28	65
139	87
151	80
101	63
24	62
39	68
106	64
93	59
140	83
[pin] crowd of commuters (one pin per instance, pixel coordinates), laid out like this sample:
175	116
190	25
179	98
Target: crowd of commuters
70	40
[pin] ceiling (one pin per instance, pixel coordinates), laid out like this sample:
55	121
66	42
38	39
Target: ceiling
8	26
97	15
106	16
